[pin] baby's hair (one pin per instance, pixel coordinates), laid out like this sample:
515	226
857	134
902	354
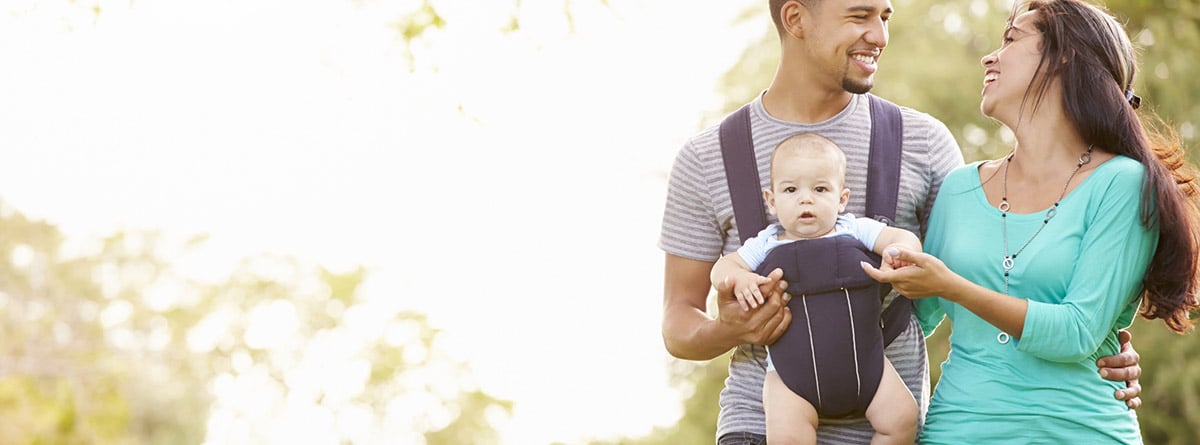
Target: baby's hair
810	143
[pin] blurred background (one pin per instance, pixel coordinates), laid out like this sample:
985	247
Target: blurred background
412	221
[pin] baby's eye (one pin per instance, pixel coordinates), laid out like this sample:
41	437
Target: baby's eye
789	190
821	189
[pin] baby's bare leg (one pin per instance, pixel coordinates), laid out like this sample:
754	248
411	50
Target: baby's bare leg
790	418
893	411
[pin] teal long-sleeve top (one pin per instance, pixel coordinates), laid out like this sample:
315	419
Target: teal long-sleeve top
1081	275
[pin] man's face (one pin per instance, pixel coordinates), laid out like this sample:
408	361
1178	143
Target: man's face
845	39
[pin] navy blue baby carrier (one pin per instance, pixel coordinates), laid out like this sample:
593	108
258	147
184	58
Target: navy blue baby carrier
832	353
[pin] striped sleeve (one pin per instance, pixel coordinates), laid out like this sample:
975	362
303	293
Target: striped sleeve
944	156
689	223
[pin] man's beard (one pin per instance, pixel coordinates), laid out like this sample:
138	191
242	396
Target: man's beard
857	87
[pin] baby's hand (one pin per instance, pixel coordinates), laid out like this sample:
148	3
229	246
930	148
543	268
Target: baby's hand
745	288
891	260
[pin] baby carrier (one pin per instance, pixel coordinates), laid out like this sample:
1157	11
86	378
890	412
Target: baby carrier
832	353
833	300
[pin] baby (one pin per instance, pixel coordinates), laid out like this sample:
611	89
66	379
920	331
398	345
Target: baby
808	196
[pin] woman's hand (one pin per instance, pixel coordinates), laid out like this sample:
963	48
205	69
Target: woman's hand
890	260
923	275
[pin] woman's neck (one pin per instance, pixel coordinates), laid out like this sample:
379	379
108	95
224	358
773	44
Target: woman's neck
1046	145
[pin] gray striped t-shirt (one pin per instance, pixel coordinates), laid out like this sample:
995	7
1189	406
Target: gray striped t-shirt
698	224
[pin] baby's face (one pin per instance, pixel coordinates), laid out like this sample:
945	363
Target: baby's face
807	193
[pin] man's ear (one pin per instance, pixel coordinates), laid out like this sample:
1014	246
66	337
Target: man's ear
770	200
794	16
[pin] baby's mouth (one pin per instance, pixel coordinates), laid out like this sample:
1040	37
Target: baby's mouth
807	215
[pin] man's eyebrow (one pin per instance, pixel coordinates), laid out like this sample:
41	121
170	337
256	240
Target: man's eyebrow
867	8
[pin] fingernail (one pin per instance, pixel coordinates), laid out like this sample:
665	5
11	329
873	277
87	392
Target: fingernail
892	251
1103	373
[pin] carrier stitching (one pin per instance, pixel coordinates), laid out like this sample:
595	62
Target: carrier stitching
853	342
808	321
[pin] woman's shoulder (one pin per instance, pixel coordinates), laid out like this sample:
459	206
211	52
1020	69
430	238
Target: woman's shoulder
1121	164
965	175
1121	169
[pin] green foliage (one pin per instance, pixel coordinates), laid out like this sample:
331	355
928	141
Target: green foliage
932	63
418	22
45	410
1170	413
702	381
107	342
470	425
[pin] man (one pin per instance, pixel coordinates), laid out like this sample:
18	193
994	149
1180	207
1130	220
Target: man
830	50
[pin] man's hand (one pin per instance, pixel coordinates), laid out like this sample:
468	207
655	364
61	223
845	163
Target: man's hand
762	325
1124	367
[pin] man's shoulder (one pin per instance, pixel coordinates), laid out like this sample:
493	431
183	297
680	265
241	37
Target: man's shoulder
709	136
923	131
707	142
913	115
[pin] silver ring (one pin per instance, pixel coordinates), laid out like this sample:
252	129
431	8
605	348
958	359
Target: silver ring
1003	338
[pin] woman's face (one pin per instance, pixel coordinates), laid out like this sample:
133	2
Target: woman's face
1009	70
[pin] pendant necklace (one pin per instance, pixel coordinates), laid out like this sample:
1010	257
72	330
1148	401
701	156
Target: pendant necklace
1010	259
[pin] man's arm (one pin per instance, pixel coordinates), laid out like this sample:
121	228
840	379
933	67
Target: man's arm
1123	367
690	334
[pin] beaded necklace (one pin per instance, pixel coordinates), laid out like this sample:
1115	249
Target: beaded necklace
1010	259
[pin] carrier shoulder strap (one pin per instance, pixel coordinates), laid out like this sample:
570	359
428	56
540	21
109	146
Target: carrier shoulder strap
741	172
883	182
883	185
883	165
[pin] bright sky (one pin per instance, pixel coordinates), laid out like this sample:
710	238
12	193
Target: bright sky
510	186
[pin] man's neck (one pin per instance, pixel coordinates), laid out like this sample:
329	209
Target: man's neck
793	97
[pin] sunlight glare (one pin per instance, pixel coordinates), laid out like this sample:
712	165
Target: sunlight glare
271	325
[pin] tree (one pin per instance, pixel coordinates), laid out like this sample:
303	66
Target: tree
932	63
111	342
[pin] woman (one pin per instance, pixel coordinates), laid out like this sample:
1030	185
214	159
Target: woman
1039	258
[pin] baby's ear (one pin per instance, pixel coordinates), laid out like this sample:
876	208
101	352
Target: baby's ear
844	199
769	199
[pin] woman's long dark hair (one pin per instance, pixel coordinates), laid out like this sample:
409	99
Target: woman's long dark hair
1097	82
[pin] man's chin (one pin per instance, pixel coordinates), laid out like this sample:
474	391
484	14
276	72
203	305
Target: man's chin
857	86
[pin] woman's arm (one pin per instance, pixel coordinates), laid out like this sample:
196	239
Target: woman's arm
1107	278
931	278
1114	253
